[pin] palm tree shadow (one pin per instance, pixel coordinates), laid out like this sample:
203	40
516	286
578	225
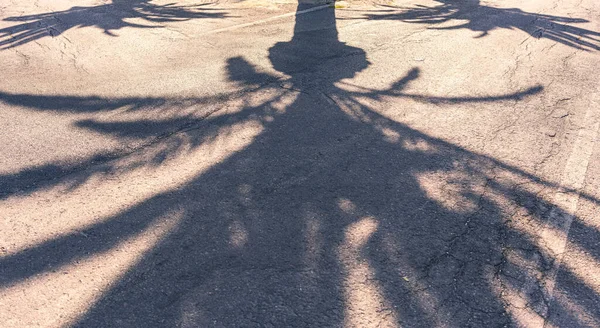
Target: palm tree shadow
470	14
326	207
107	17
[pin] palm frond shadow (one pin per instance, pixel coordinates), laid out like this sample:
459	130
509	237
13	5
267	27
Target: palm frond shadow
106	17
470	14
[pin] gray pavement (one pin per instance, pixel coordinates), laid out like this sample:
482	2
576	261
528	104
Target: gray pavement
275	164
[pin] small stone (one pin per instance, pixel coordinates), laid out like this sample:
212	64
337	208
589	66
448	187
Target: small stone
341	5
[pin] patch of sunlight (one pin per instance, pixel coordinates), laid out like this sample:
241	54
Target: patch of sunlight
238	235
61	296
451	190
346	205
552	241
351	108
391	136
365	303
62	210
418	145
418	289
518	307
576	310
579	262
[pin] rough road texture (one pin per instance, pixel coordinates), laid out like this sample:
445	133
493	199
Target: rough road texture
408	164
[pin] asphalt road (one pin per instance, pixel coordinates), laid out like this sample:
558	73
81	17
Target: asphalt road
262	164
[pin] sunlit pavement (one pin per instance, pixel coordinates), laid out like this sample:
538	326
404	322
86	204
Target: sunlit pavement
275	164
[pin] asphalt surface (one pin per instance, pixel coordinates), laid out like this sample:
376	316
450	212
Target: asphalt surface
264	164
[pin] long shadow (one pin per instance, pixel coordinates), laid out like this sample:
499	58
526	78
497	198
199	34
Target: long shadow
107	17
472	15
45	176
326	207
149	131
